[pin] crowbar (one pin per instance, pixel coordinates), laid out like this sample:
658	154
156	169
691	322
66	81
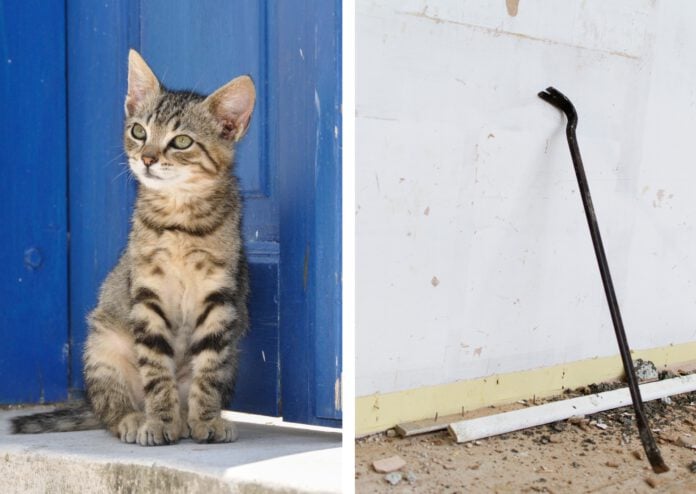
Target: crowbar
560	101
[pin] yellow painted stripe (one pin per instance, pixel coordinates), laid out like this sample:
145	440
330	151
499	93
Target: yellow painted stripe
378	412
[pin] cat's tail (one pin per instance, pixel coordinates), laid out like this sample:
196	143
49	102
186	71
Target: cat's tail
78	417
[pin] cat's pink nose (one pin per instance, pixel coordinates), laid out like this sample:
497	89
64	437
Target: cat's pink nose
149	159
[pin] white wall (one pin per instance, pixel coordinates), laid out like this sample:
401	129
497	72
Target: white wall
464	175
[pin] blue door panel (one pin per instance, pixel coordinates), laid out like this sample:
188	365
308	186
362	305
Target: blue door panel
33	279
257	386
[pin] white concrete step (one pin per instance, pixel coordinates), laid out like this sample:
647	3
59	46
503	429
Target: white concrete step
272	458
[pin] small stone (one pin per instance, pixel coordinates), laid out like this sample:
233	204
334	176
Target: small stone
666	400
669	437
602	426
393	478
636	454
651	482
667	374
559	426
692	467
612	464
391	433
387	465
411	477
686	442
435	281
645	370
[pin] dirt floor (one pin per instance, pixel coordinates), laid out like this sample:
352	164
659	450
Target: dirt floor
600	453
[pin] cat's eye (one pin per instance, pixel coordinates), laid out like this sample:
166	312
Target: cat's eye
182	142
138	132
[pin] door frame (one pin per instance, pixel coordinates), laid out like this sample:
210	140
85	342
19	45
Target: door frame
308	92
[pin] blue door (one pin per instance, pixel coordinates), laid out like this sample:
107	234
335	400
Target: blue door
289	166
33	209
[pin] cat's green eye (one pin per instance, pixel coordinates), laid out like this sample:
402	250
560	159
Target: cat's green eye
182	142
138	132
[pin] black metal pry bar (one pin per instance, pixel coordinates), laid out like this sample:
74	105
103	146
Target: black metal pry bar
560	101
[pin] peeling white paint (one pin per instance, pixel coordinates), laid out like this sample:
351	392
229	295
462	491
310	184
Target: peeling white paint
317	102
337	394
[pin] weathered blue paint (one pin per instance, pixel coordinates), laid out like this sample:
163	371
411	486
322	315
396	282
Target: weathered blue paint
309	126
33	279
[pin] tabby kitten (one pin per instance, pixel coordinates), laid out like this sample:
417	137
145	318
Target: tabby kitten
161	354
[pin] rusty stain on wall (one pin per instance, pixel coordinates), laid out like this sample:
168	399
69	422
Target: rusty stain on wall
512	6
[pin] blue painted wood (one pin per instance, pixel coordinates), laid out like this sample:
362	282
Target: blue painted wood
214	42
307	51
257	386
101	190
328	212
33	279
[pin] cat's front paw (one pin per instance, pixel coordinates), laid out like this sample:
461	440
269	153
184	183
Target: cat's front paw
129	425
217	430
154	432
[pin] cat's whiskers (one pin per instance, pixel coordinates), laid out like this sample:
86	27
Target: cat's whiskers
119	155
126	169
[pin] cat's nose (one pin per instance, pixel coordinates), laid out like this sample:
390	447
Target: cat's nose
149	159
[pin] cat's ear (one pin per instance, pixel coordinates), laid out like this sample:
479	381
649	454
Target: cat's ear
142	83
232	105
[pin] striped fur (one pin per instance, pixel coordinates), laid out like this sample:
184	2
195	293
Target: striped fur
160	357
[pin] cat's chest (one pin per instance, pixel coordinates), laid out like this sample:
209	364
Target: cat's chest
183	271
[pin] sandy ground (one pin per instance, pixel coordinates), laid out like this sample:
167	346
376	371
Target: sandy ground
556	458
